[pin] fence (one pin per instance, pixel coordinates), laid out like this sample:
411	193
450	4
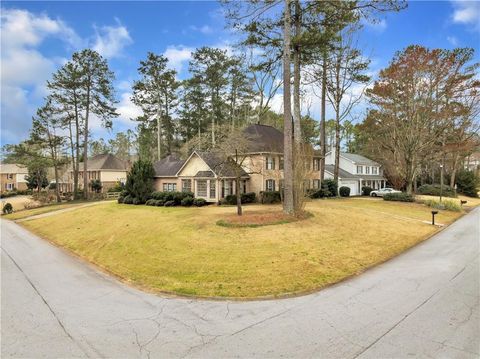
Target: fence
112	195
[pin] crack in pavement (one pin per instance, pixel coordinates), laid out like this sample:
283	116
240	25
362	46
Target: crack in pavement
67	333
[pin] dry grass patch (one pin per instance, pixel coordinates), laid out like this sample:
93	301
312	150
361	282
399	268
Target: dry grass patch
255	219
182	250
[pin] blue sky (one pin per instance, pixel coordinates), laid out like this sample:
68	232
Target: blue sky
37	37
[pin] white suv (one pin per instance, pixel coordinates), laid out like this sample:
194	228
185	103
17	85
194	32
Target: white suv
383	191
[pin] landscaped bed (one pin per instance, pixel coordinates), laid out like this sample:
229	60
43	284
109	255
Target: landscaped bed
183	251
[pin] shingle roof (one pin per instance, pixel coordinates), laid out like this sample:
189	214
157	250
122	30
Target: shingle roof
219	166
168	166
12	168
104	162
203	174
358	158
264	138
347	175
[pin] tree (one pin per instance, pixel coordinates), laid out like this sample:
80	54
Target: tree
347	69
193	113
98	147
37	176
122	145
139	182
156	94
96	185
209	68
412	110
44	133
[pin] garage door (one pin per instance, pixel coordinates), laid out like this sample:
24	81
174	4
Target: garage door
352	185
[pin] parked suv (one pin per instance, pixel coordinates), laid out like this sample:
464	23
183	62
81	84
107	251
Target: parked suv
383	191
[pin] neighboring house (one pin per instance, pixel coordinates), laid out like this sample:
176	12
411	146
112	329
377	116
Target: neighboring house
472	162
12	176
204	173
355	171
107	168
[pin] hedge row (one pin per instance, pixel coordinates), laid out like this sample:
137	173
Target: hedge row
399	197
249	197
166	199
434	190
329	188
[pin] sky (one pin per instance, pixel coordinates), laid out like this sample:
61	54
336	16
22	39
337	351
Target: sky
38	37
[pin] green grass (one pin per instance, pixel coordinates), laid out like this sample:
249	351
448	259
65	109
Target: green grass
182	250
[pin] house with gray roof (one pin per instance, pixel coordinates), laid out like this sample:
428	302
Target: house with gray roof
208	175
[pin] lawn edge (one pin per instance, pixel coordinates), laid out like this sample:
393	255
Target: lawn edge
168	294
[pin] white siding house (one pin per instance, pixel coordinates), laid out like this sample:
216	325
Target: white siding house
356	171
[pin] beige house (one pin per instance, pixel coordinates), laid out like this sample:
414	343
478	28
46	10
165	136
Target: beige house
12	177
107	168
208	177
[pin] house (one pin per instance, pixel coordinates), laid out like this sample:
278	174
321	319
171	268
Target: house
12	177
472	162
355	172
209	177
107	168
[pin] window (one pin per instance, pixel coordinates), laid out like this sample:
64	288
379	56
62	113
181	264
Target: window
280	165
367	170
359	169
186	185
316	164
10	176
226	188
169	187
9	186
270	163
212	189
202	188
374	170
316	183
306	184
270	185
280	184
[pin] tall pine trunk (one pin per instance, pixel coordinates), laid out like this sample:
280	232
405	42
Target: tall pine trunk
288	206
77	149
297	130
337	143
85	143
323	137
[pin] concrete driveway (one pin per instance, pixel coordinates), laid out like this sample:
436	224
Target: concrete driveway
424	303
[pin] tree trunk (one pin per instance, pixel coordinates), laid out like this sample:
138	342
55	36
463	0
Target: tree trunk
288	206
213	121
454	170
297	130
337	144
323	137
57	191
77	150
85	144
239	196
159	137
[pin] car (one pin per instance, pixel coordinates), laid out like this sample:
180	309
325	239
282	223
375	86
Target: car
383	191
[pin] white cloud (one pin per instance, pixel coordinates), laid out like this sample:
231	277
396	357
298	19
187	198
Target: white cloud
467	13
452	40
127	109
177	56
111	40
205	29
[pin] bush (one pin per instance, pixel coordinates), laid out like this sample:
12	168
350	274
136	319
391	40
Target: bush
128	199
151	202
199	202
331	186
467	183
434	190
319	193
24	192
159	202
187	201
52	185
140	180
44	197
244	198
169	204
8	194
268	197
399	197
366	190
344	191
445	205
249	197
7	208
120	199
137	201
119	187
96	185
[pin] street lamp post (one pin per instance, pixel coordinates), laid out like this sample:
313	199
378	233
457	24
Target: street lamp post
441	182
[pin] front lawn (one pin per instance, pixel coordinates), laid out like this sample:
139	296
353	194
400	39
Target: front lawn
45	209
183	251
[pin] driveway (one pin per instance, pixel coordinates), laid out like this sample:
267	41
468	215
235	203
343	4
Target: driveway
423	303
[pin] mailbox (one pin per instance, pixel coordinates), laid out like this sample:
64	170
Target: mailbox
433	216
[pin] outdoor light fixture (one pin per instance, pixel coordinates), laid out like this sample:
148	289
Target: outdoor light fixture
433	217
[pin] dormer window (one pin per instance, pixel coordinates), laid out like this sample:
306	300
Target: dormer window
359	169
367	170
374	170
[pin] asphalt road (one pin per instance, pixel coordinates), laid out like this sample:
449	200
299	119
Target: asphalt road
424	303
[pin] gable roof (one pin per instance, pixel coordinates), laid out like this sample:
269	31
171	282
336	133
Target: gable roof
168	166
12	168
358	159
104	162
264	138
219	166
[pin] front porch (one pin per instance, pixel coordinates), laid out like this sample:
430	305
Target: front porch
212	189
